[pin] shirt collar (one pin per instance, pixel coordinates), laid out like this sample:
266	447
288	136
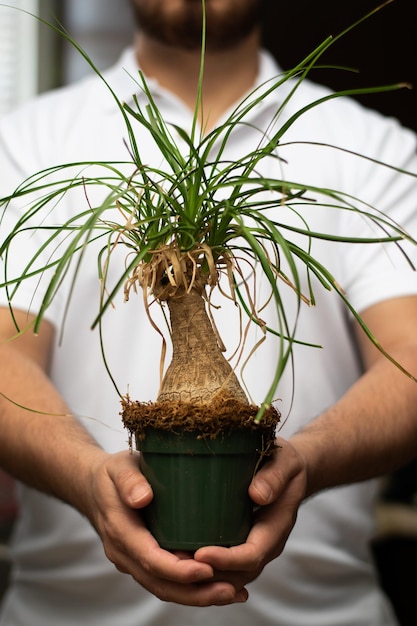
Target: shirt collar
122	77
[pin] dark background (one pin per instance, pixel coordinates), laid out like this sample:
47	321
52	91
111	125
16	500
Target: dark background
383	48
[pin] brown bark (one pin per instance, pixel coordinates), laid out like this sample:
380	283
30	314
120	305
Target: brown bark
198	372
199	392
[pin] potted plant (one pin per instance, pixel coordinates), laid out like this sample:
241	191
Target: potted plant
194	226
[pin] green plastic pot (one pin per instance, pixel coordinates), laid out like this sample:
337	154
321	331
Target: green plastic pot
200	487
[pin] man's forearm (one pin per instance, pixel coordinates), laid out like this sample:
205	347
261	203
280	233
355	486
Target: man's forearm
41	443
370	431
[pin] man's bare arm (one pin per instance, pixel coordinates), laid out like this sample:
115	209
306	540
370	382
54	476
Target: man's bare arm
39	436
44	446
373	428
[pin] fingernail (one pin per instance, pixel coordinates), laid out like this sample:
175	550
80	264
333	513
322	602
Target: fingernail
139	492
203	574
263	489
225	597
241	596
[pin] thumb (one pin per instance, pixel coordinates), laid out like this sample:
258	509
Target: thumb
284	468
133	488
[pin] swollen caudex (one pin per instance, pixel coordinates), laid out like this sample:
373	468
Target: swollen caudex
171	270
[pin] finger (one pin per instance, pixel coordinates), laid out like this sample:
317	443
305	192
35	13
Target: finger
213	594
265	542
270	482
285	479
199	594
133	488
126	540
178	578
247	557
130	545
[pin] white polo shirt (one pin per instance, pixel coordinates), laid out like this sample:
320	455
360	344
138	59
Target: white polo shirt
325	576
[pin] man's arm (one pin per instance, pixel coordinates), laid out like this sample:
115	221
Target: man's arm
39	436
44	446
371	430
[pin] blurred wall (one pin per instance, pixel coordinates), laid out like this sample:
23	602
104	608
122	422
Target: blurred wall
102	27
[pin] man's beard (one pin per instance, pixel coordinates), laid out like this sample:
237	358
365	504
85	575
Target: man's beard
178	23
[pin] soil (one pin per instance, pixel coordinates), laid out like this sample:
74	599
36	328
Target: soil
208	420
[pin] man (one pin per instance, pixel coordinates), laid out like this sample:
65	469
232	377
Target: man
344	426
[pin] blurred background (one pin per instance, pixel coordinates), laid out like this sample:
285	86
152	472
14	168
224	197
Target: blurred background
383	50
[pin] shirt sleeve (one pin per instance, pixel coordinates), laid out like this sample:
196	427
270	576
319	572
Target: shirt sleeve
387	188
21	157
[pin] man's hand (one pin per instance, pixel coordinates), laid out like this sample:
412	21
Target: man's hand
110	489
215	576
278	489
119	491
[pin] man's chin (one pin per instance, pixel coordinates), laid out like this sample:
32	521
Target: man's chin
179	25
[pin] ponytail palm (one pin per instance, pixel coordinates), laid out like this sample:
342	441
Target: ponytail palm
193	226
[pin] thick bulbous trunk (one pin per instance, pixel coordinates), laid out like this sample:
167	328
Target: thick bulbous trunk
198	371
199	393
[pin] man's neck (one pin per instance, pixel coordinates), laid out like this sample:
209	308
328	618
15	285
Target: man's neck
228	74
